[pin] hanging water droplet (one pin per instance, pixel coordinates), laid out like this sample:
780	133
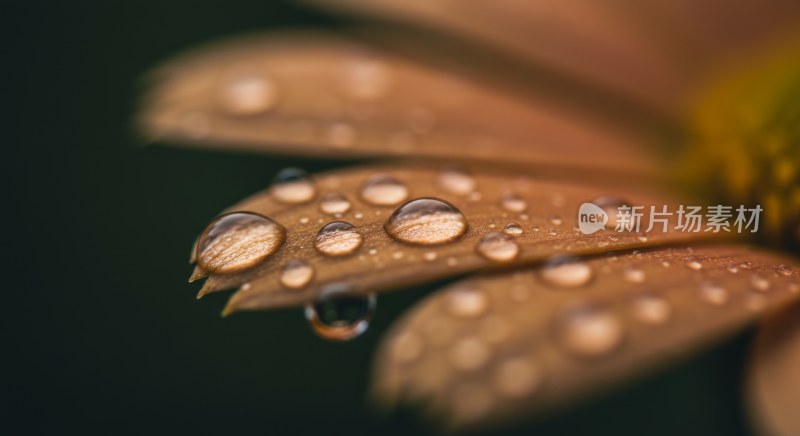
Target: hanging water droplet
296	274
759	282
247	94
341	135
334	203
610	206
513	229
498	247
426	221
238	241
292	185
713	294
634	275
517	378
469	354
383	190
457	181
466	303
565	272
651	309
589	331
513	203
338	238
340	314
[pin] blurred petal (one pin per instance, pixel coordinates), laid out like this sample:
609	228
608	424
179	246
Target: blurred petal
501	347
774	378
321	95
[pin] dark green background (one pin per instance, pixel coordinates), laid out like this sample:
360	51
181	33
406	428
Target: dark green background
104	333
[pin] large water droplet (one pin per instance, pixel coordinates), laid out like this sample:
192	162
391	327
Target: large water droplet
339	314
296	274
426	221
513	203
292	185
384	190
338	238
237	241
247	94
334	203
651	309
466	303
610	206
457	181
589	331
565	272
498	247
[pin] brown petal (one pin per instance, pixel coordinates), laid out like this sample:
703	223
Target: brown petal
774	376
500	347
323	95
489	200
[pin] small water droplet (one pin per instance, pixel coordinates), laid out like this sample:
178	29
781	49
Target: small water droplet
589	331
694	264
339	314
426	221
398	255
341	135
513	229
406	348
755	302
713	294
565	272
237	241
733	269
610	206
651	309
513	203
367	79
466	303
383	190
457	181
555	220
338	238
759	282
292	185
469	354
498	247
296	274
430	256
634	275
517	378
334	203
247	94
783	270
452	261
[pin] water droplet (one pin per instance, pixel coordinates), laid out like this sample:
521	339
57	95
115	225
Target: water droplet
341	135
426	221
610	206
513	203
469	354
694	264
516	378
398	255
783	270
759	282
383	190
238	241
457	181
555	220
406	348
296	274
452	261
733	269
334	203
713	294
755	302
367	79
513	229
247	94
589	331
338	238
430	256
466	303
566	273
634	275
498	247
651	309
292	185
340	314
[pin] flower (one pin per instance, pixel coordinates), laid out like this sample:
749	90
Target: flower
514	113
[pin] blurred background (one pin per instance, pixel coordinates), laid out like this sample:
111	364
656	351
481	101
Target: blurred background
105	334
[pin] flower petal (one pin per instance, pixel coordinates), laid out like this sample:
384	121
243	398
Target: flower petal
501	347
